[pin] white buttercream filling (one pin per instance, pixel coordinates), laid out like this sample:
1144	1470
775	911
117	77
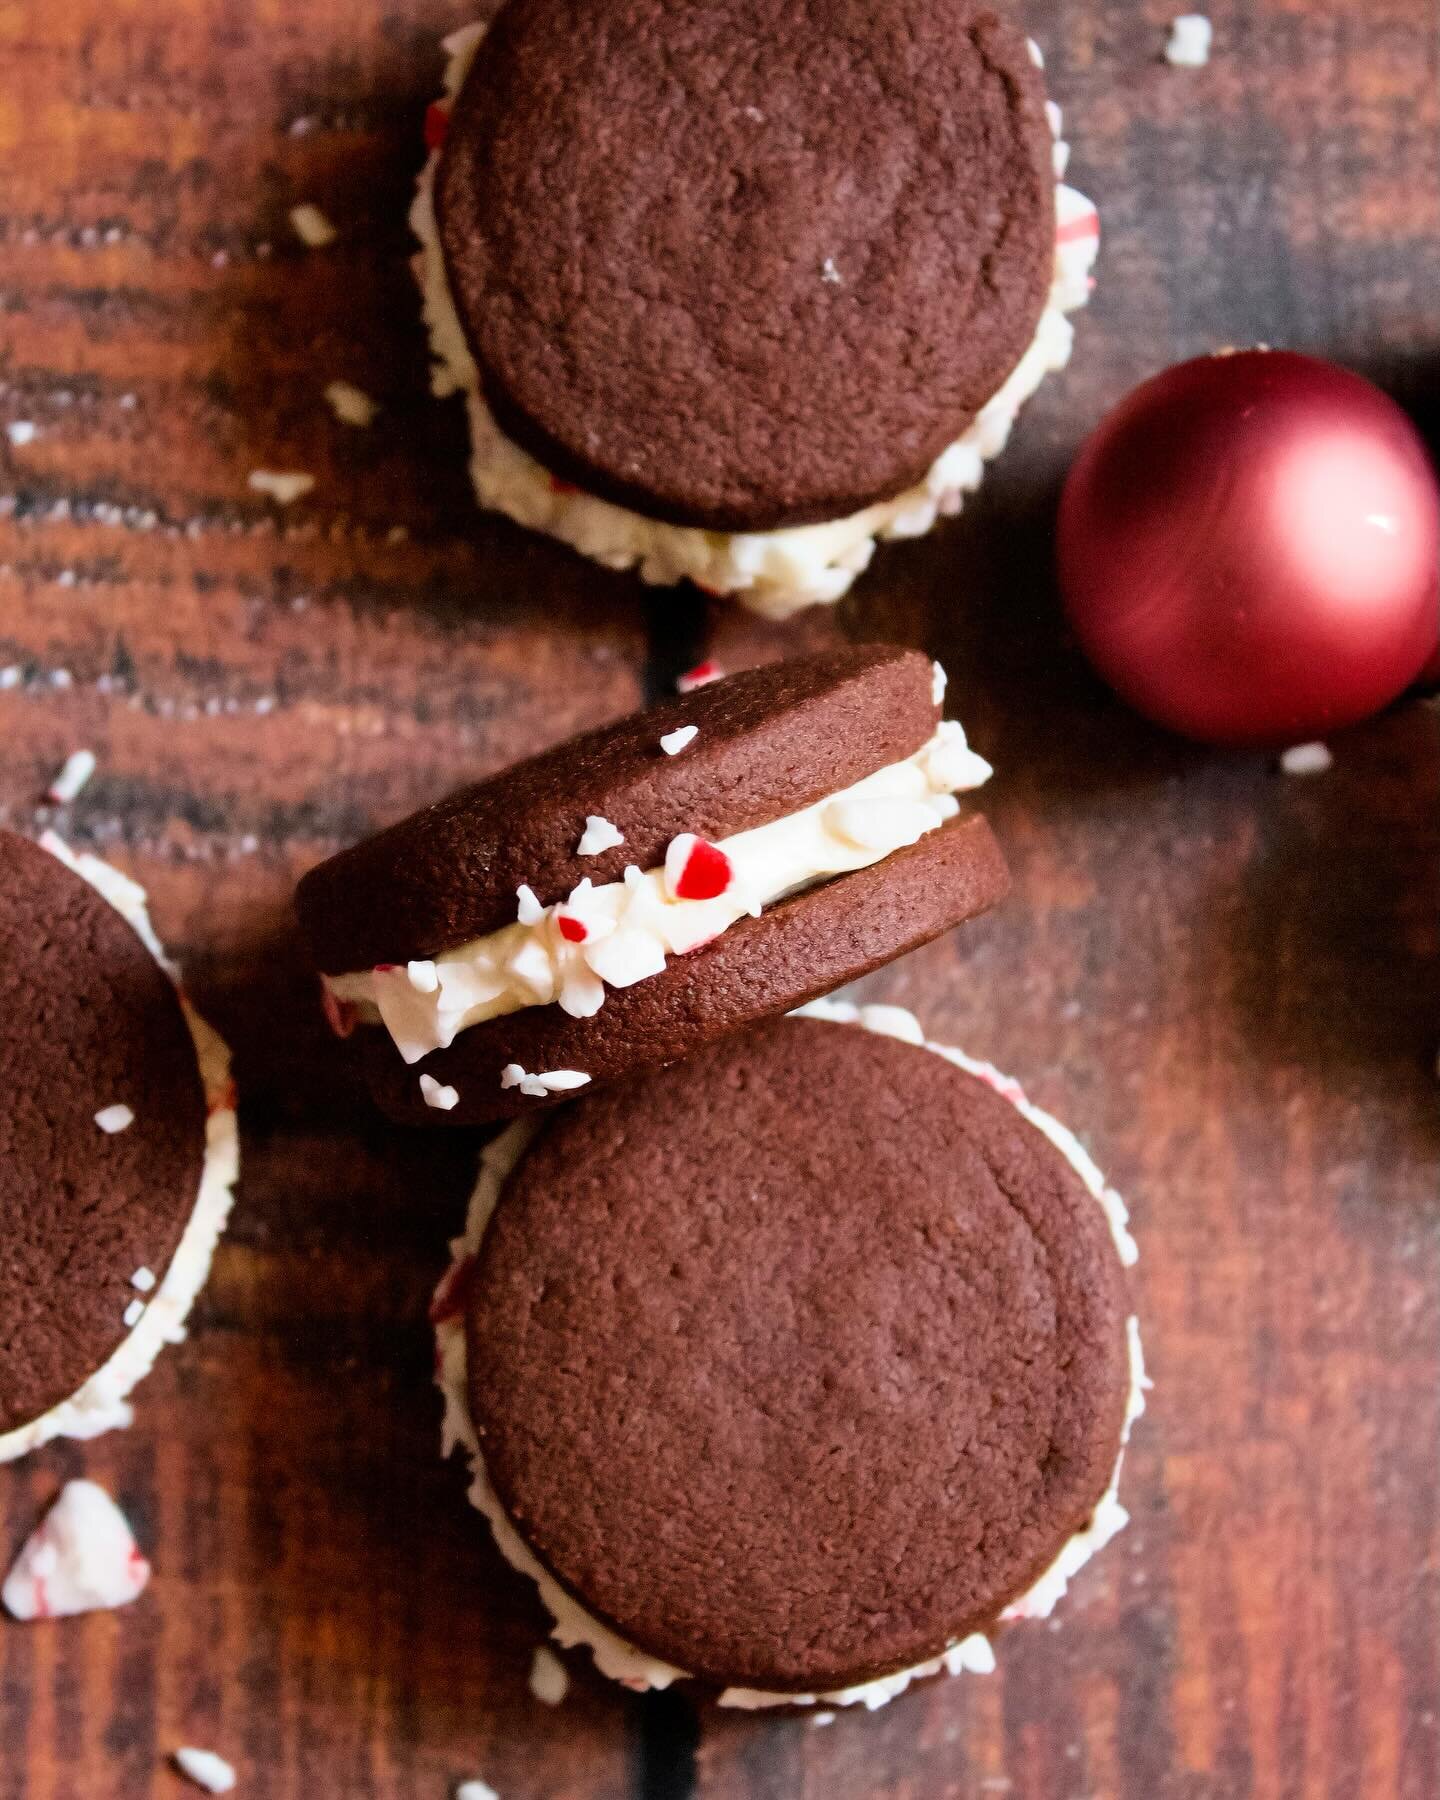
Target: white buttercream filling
101	1403
624	1662
631	927
775	573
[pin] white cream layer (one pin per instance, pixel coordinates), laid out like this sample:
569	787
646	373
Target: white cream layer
101	1404
632	926
622	1661
774	573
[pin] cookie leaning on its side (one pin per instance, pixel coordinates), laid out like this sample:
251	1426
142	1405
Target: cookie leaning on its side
118	1147
625	898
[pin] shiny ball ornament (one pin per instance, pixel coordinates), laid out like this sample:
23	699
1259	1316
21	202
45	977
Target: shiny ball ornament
1249	549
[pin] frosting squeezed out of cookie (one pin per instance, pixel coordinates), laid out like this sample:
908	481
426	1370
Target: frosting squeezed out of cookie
621	932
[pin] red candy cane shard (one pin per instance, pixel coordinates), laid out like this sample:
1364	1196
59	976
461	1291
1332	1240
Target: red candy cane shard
573	930
437	124
705	874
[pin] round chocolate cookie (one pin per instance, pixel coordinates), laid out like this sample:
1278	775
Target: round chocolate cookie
503	946
742	264
797	1363
91	1025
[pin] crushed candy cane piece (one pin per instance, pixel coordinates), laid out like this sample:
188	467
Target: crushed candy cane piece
437	124
143	1279
114	1118
133	1314
1306	759
1189	44
674	742
549	1681
553	1081
82	1557
423	976
697	870
529	911
78	768
452	1295
599	835
351	405
700	676
205	1768
21	432
283	486
311	226
437	1095
475	1790
573	930
938	680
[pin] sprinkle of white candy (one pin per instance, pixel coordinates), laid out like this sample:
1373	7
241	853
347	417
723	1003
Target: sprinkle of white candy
599	835
282	486
1190	39
22	431
1306	759
424	976
674	742
143	1279
133	1314
311	226
938	680
822	1718
351	405
81	1557
548	1680
115	1118
530	911
553	1081
829	272
442	1098
205	1769
79	767
475	1790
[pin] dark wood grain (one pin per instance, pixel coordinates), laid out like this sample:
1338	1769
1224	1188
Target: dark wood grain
1229	980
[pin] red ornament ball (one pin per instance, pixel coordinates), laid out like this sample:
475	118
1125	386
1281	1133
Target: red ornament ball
1249	548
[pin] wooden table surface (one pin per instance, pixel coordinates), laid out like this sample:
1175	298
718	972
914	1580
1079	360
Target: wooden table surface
1229	980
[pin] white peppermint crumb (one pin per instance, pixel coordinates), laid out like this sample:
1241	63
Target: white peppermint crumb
512	1075
115	1118
351	405
423	976
560	1081
79	767
1037	55
144	1279
548	1680
82	1557
938	680
828	272
133	1314
303	126
61	678
443	1099
700	676
312	227
205	1769
11	677
1190	38
823	1718
475	1790
22	431
553	1081
1306	759
529	911
283	486
674	742
599	835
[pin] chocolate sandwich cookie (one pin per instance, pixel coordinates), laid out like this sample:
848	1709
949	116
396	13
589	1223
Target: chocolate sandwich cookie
117	1145
735	287
795	1368
624	899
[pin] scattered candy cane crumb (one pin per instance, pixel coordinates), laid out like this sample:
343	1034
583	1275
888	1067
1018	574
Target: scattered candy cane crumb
437	1095
553	1081
549	1681
1190	39
22	431
12	676
133	1314
143	1280
674	742
822	1718
79	766
1306	759
938	680
599	835
82	1557
475	1790
114	1118
311	226
205	1769
351	405
700	676
282	485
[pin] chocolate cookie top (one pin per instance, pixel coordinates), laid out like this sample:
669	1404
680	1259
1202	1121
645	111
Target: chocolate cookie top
793	952
800	1360
768	742
88	1021
744	264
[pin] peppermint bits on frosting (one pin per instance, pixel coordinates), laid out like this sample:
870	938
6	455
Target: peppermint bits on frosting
529	911
115	1118
598	836
437	1095
696	870
700	676
674	742
540	1087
